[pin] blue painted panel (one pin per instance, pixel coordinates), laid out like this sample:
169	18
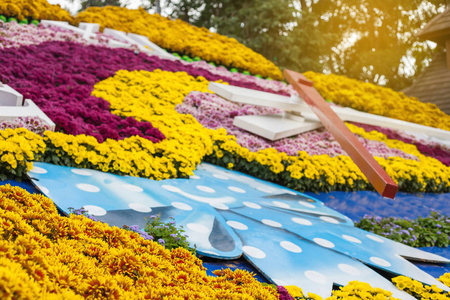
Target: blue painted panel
203	205
371	249
290	260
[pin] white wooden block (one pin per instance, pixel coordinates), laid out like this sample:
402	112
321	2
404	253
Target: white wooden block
90	29
63	25
275	126
117	44
9	96
93	27
123	37
28	110
145	42
254	97
119	35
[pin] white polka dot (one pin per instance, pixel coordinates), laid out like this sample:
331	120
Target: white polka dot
133	188
140	207
329	219
95	210
349	269
375	238
38	170
302	221
289	192
211	252
236	189
88	188
279	282
198	228
253	252
379	261
281	204
266	189
271	223
237	225
220	176
181	205
81	172
171	188
205	189
194	177
219	206
316	277
323	242
44	190
252	205
307	204
351	239
290	247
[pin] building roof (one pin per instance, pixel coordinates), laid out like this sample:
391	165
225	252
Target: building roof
438	29
433	85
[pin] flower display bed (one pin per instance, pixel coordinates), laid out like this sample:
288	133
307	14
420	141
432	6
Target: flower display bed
132	114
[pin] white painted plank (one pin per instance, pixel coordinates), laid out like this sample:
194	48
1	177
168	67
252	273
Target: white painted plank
63	25
28	110
90	29
145	42
275	126
9	96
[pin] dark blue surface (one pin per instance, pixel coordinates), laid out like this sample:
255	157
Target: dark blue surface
27	185
357	204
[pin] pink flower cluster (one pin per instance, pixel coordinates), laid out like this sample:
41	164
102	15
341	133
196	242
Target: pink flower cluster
15	35
214	112
33	124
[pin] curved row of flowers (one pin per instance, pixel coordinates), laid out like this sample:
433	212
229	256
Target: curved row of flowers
174	35
43	254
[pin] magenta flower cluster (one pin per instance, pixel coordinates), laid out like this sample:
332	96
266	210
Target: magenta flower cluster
59	77
214	112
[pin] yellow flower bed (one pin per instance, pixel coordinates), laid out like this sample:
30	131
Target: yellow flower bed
420	291
17	149
152	97
46	256
179	36
378	100
361	290
33	10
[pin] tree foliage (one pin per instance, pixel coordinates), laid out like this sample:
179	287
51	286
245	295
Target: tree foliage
364	39
88	3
